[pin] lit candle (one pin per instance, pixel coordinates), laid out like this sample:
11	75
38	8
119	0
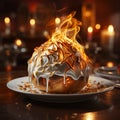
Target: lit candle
7	25
18	42
107	38
90	33
32	26
110	64
97	26
111	34
57	22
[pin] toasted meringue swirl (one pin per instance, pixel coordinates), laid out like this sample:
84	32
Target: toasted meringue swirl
61	59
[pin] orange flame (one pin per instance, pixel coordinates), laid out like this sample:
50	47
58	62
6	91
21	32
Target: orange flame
64	38
66	33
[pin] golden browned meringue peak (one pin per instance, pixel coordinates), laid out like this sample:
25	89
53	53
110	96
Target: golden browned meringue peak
61	55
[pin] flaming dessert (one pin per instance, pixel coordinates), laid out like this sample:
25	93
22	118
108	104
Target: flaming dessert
60	65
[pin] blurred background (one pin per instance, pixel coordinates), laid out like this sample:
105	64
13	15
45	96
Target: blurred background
26	24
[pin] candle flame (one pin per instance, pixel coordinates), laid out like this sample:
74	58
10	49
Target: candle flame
97	26
57	20
90	29
18	42
110	64
110	28
32	22
7	20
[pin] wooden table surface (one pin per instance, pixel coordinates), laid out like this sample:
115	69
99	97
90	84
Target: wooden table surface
15	106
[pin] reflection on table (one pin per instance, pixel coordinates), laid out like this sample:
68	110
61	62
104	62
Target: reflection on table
14	105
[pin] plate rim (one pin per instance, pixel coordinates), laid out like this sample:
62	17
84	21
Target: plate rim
100	74
59	98
20	79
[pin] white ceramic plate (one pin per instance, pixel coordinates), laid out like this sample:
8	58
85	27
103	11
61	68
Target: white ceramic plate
62	98
107	72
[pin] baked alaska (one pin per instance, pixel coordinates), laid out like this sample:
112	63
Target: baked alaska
60	65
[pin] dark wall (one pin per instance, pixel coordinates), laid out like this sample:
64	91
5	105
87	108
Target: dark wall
105	9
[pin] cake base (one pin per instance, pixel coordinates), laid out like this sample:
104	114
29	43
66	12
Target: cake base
57	84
